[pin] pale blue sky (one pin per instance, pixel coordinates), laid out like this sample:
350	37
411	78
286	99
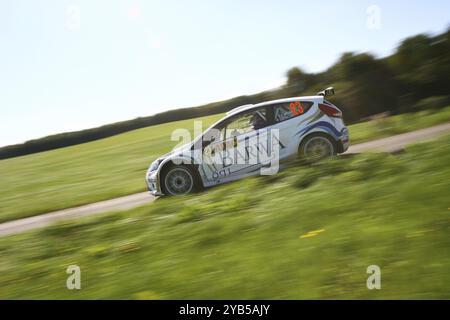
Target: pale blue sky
136	58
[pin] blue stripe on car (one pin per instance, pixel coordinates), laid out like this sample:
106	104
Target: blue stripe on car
325	126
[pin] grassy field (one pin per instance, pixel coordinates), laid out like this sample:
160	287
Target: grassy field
116	166
85	173
393	125
309	232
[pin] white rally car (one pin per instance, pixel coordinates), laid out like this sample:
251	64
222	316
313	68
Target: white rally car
252	139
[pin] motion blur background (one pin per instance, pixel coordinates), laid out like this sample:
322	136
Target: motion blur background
308	232
78	64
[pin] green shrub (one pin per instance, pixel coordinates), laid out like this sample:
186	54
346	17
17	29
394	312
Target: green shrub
435	102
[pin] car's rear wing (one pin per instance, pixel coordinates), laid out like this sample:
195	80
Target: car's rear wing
327	92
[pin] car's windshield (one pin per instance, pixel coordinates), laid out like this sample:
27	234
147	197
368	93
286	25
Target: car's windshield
247	122
239	124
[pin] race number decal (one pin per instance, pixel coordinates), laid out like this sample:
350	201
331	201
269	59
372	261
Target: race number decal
296	108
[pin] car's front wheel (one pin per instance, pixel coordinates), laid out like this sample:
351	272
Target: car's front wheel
179	180
316	147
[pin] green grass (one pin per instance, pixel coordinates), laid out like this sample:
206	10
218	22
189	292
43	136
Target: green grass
85	173
393	125
243	240
116	166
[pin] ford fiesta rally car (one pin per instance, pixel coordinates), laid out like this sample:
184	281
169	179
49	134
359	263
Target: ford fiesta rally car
248	140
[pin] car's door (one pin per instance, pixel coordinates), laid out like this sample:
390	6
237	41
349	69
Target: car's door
236	147
245	143
211	166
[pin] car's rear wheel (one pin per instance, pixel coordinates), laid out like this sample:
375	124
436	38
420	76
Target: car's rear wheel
179	180
316	147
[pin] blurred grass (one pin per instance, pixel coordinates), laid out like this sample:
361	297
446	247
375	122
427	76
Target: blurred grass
244	240
84	173
389	126
116	166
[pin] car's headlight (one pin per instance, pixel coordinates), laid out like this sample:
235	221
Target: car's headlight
155	164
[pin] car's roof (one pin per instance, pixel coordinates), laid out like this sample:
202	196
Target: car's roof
251	106
262	104
319	98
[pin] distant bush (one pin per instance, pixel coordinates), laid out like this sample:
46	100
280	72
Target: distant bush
435	102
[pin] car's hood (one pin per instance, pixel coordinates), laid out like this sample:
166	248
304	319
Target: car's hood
178	151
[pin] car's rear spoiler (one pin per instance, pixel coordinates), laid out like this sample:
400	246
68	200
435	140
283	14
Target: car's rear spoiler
327	92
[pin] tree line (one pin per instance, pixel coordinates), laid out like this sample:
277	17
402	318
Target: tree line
415	77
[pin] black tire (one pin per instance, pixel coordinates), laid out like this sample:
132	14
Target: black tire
177	180
316	147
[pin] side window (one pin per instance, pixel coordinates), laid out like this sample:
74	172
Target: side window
289	110
247	122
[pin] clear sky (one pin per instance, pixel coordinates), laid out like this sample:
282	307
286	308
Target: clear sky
70	65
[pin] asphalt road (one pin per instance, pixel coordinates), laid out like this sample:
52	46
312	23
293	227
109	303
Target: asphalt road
390	144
